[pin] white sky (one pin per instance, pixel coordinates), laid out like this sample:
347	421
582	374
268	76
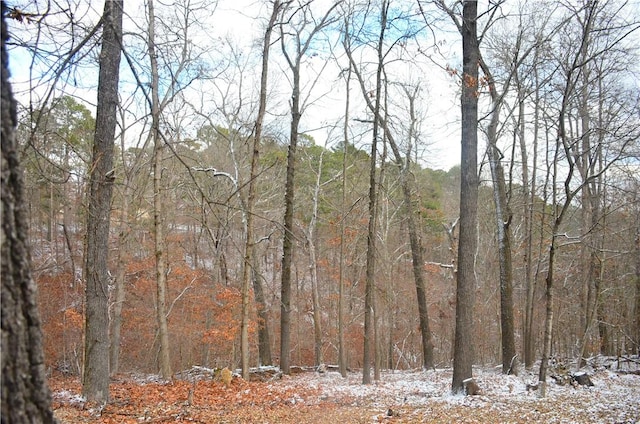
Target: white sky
236	19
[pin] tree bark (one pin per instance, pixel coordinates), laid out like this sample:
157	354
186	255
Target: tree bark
417	260
248	275
313	269
637	302
467	246
96	366
342	358
25	395
287	244
530	194
300	45
158	214
264	338
503	221
371	231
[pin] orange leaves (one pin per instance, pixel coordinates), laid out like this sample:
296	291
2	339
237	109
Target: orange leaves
227	317
203	401
73	319
453	72
60	305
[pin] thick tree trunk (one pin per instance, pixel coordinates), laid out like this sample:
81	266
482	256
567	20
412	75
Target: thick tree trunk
264	338
96	366
25	395
467	246
287	244
120	292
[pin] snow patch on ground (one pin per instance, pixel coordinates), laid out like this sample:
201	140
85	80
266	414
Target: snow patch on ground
614	398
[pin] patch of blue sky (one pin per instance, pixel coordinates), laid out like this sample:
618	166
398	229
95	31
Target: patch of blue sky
402	23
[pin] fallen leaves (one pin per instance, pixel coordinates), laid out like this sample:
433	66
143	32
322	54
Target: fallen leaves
413	397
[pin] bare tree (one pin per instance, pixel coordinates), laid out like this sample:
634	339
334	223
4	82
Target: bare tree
414	240
572	140
501	193
375	106
463	355
158	214
96	367
302	37
248	275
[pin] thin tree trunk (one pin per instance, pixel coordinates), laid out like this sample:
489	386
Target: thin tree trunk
249	243
158	212
123	252
417	259
342	360
637	295
503	220
96	366
561	143
371	231
313	268
529	342
467	245
25	395
548	325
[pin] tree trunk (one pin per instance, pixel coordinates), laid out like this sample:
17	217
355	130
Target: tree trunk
503	220
313	268
248	275
342	359
264	339
371	231
637	302
25	395
158	213
96	366
417	259
530	282
467	246
119	298
287	244
548	323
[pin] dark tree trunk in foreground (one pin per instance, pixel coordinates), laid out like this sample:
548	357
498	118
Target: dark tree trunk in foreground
25	396
96	367
463	343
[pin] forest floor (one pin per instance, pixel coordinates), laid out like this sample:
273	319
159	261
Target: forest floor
312	397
